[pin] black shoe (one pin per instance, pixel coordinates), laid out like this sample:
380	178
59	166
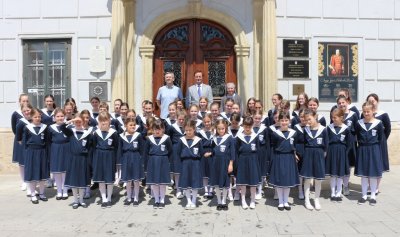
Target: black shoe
333	199
339	199
135	203
287	208
219	207
210	196
281	208
155	205
103	204
94	186
75	206
109	204
84	205
372	202
161	205
35	201
225	207
58	198
64	198
127	203
43	198
361	201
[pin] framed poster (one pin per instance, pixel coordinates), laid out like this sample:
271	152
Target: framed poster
337	68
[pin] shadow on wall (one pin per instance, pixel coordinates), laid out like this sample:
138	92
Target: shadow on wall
109	5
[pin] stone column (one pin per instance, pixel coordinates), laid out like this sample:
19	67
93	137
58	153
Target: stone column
130	10
242	59
118	46
265	58
146	53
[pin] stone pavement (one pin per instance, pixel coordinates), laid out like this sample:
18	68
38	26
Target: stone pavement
18	217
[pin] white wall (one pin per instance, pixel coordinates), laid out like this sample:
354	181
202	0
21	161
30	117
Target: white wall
373	24
86	22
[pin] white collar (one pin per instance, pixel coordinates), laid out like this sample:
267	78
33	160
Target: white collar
272	127
230	131
350	114
24	120
362	124
19	112
119	119
196	140
84	135
124	137
168	120
110	132
280	133
198	122
319	131
163	138
177	128
332	127
222	140
298	126
379	113
203	134
241	136
261	129
31	126
44	110
54	127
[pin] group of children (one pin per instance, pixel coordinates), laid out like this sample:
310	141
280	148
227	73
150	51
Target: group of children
205	147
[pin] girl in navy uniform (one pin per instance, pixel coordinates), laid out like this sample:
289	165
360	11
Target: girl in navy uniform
69	111
276	101
284	171
35	153
48	111
248	165
59	153
337	162
207	135
171	119
250	106
315	147
350	119
227	112
224	154
272	128
301	102
258	106
157	154
313	104
176	131
95	103
299	128
120	120
78	177
263	157
105	144
387	128
369	165
15	117
130	151
148	109
190	150
346	93
193	115
214	110
203	107
234	129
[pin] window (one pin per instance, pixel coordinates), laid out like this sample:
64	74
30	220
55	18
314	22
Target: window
47	70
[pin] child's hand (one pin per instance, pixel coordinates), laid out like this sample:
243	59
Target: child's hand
230	168
297	158
207	154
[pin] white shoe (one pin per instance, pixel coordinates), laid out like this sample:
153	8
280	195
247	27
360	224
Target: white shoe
252	205
317	205
193	206
346	191
258	196
234	186
244	206
179	195
188	206
301	195
23	187
308	205
230	197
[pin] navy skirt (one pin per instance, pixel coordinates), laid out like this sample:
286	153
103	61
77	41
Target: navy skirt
158	170
177	163
313	166
337	163
103	163
77	175
369	161
248	170
59	157
36	165
191	176
219	172
284	172
132	166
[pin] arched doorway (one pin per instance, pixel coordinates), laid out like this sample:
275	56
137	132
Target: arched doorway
194	44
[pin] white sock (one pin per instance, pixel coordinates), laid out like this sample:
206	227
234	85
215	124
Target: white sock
364	187
156	193
75	193
176	177
317	185
129	190
194	196
346	180
339	183
307	184
243	194
136	187
81	194
218	194
65	189
205	184
300	187
87	191
102	188
373	182
280	195
224	194
286	192
42	184
32	187
188	197
259	189
109	192
163	189
333	186
252	194
57	179
22	173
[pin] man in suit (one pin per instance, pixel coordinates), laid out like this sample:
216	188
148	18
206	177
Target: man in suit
197	90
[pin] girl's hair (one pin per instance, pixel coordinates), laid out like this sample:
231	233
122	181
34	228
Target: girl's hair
346	92
285	104
74	107
69	104
298	105
34	111
22	95
314	99
104	116
338	112
229	100
95	98
276	111
172	104
302	110
193	105
131	111
260	102
373	95
203	98
223	122
147	102
104	105
258	112
190	123
214	104
343	97
180	100
129	120
29	106
284	115
118	100
368	104
52	97
181	113
248	121
280	97
235	117
207	115
124	104
59	110
237	105
158	124
85	111
247	105
309	112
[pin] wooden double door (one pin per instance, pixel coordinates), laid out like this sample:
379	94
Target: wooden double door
185	46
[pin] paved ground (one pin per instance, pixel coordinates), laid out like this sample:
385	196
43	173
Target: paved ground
18	217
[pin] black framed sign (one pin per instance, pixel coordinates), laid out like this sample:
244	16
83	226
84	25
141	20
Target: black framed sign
295	68
295	48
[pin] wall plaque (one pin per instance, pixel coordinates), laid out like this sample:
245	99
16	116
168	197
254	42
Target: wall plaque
295	69
295	48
